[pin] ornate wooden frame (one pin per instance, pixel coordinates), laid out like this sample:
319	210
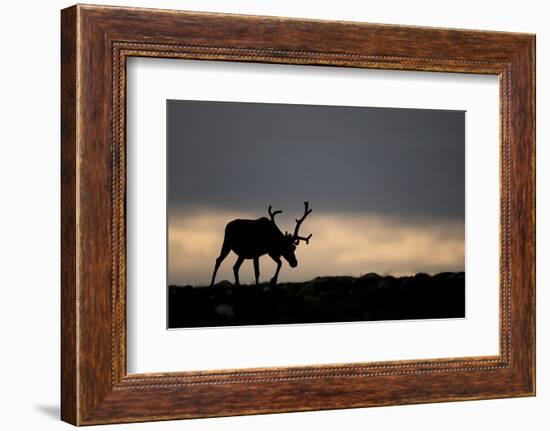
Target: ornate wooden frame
95	43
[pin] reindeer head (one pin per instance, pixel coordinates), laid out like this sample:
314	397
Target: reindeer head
291	241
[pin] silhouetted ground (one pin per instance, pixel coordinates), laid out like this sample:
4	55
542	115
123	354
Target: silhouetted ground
323	299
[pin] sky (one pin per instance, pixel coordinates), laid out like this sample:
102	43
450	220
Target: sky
386	186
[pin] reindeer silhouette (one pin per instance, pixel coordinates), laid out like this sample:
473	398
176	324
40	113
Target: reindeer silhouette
250	239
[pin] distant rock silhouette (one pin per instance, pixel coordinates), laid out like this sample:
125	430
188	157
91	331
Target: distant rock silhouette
323	299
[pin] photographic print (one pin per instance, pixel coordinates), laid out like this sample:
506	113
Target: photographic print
293	214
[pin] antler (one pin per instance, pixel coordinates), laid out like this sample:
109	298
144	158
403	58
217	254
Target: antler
272	214
296	237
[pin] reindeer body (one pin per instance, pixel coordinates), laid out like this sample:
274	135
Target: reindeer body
251	239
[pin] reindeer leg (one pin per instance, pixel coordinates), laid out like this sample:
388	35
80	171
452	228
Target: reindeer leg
277	260
257	268
223	254
236	268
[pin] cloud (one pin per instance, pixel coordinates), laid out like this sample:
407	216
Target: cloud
342	244
342	158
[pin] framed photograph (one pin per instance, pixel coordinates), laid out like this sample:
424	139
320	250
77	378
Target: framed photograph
264	214
386	187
